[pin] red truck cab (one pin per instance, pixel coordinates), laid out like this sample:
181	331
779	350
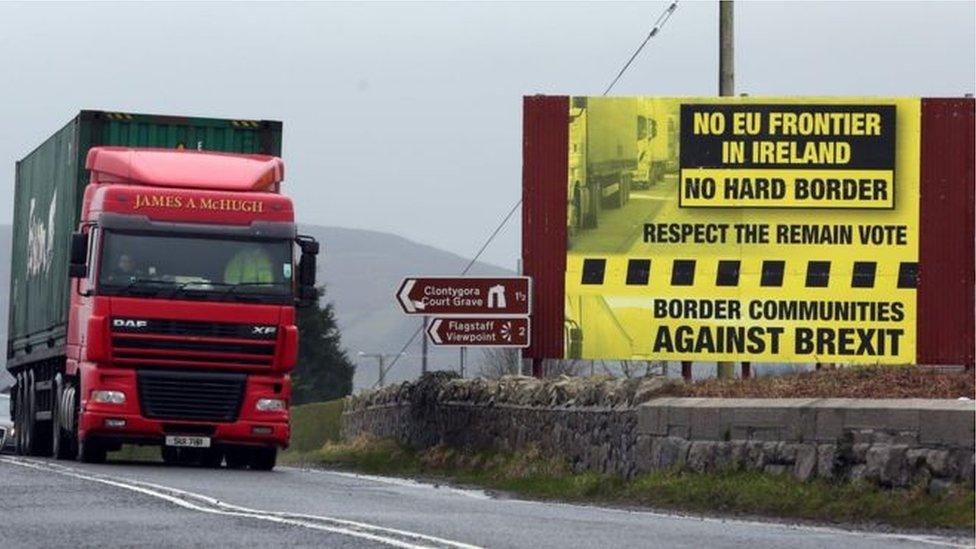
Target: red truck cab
186	270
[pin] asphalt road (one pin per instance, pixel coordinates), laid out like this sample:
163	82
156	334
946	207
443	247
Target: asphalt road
45	503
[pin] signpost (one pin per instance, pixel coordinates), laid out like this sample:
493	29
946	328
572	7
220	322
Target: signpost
479	332
460	296
470	311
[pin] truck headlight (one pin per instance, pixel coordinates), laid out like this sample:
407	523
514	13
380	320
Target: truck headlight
108	397
270	404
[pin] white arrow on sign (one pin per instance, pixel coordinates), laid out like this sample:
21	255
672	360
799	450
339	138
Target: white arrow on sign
404	297
433	331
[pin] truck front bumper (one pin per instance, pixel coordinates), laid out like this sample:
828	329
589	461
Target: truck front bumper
140	430
124	422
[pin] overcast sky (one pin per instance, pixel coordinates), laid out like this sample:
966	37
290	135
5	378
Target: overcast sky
405	117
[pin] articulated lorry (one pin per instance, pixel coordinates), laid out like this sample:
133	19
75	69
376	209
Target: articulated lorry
603	157
155	273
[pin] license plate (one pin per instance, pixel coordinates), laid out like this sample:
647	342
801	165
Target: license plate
188	442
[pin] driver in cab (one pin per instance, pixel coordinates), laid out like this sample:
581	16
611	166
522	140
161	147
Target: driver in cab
125	269
252	266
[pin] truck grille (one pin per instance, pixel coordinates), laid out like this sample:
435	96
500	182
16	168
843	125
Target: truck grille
187	343
171	394
192	328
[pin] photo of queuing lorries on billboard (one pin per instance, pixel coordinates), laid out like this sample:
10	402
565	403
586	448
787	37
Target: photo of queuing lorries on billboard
620	151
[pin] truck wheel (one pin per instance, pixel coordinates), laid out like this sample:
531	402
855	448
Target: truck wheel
212	458
62	436
237	458
29	414
263	459
91	451
19	415
87	450
39	443
170	455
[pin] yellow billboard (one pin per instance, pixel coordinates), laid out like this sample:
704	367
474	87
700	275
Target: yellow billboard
747	228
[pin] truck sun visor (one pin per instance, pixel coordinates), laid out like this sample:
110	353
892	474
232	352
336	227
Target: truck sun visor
265	229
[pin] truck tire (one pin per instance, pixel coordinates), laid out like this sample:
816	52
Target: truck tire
237	458
61	435
212	458
38	437
263	459
91	451
170	455
19	415
29	414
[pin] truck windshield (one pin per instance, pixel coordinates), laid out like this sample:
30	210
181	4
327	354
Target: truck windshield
178	266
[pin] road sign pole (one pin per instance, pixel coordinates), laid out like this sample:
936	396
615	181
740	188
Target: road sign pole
461	361
423	349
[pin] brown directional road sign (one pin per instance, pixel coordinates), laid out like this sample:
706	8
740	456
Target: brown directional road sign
479	332
502	296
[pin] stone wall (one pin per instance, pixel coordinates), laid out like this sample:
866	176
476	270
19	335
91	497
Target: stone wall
891	442
626	427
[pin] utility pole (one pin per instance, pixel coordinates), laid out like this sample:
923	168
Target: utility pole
381	361
423	349
726	48
726	87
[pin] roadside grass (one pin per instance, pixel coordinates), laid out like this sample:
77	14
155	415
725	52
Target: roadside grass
312	425
134	452
530	474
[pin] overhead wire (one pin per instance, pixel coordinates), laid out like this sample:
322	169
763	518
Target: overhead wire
467	268
658	25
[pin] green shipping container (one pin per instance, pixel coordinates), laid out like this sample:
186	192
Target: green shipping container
50	185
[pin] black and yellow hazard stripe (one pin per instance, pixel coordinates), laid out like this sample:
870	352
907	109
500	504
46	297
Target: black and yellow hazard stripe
118	116
682	272
245	123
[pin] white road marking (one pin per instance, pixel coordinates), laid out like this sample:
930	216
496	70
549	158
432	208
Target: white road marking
801	528
352	528
207	504
404	482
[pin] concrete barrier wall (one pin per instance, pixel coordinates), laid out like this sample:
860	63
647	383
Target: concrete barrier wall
890	442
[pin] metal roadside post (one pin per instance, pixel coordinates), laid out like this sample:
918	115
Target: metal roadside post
423	347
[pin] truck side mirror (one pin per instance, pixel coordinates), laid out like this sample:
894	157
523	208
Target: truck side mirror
307	294
79	256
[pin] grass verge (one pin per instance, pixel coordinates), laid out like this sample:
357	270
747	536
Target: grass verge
532	475
312	425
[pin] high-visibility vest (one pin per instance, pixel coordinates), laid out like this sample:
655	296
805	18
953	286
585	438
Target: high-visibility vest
249	266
